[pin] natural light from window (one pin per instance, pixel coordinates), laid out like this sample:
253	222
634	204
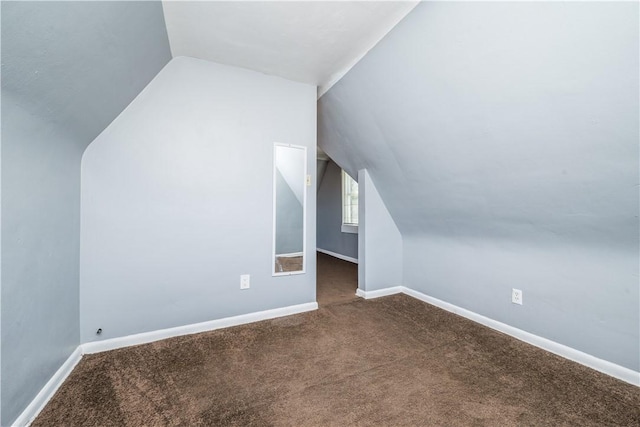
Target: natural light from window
349	204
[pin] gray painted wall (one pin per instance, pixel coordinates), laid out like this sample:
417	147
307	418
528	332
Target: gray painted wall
503	138
68	68
177	201
41	210
321	166
289	219
329	234
379	240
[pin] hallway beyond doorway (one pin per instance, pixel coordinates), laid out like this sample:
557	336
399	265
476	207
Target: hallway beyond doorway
337	280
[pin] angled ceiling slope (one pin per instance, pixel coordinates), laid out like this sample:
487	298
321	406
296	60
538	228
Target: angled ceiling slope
309	42
503	139
78	64
485	135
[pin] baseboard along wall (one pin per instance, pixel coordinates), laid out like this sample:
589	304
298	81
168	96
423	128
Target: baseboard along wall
379	293
147	337
620	372
42	398
337	255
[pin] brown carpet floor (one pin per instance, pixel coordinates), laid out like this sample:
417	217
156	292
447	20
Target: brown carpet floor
337	280
392	361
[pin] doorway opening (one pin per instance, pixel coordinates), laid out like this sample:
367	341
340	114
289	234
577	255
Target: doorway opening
337	234
337	280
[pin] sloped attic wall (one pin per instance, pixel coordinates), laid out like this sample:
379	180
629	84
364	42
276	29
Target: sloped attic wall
503	138
68	68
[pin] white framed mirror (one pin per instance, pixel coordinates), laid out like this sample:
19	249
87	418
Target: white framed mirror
289	209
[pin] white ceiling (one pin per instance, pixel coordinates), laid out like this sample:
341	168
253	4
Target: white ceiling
313	42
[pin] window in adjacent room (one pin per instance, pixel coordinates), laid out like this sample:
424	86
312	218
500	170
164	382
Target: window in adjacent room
349	204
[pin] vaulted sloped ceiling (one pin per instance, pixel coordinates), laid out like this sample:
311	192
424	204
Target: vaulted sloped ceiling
473	122
68	69
79	65
503	139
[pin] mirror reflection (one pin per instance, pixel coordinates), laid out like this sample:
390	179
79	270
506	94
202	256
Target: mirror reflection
290	170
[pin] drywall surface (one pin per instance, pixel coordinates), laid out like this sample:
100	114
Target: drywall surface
329	234
379	241
41	211
68	68
177	201
503	139
585	298
321	168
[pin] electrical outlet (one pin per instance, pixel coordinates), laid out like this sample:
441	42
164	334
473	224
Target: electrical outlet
516	296
245	281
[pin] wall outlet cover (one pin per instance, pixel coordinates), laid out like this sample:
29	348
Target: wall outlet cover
516	296
245	281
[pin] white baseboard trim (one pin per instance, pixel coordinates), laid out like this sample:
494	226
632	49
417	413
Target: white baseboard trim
42	398
339	256
147	337
620	372
379	293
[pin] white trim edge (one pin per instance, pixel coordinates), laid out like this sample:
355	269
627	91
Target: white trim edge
620	372
379	293
147	337
349	228
42	398
371	43
339	256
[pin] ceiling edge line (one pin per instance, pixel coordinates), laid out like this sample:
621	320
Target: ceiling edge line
324	88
